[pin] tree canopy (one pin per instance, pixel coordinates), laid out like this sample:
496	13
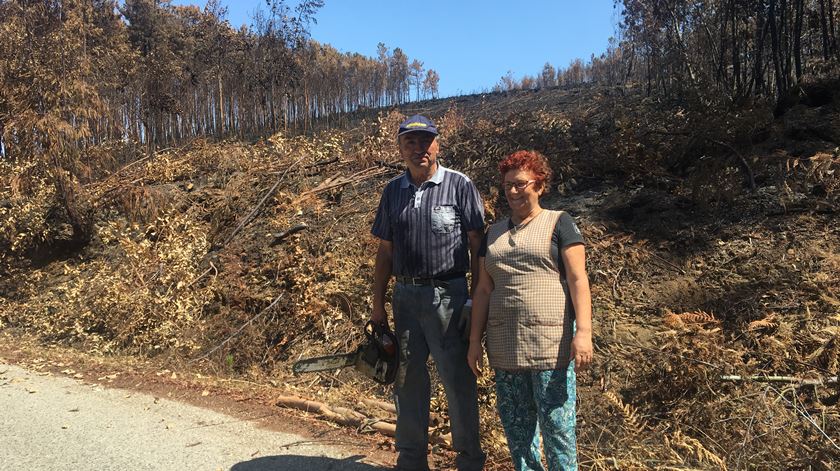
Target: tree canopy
81	72
731	49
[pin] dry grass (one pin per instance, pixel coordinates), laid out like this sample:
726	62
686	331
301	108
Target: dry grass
684	291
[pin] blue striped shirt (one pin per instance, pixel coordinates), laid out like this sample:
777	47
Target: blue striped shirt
428	225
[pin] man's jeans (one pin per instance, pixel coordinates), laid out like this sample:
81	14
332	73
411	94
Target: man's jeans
426	319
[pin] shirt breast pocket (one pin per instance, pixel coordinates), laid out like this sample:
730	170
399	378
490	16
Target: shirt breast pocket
445	219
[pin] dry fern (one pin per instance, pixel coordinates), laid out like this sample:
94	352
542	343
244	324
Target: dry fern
828	353
672	320
631	418
679	320
768	322
693	447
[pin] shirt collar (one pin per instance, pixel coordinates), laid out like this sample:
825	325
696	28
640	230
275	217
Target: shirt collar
437	178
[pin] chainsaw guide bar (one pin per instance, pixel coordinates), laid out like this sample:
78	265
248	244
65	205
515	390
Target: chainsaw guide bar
377	358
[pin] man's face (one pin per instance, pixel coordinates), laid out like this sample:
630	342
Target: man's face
419	150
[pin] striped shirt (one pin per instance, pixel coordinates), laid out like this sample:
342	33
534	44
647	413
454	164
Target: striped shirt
428	225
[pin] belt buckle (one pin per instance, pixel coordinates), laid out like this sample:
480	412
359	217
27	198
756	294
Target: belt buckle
410	280
422	281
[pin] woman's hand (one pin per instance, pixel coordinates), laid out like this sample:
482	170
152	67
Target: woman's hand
582	350
475	357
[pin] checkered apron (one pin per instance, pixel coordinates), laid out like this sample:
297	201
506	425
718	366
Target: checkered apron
530	324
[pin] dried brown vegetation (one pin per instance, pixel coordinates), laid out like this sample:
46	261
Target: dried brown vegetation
193	259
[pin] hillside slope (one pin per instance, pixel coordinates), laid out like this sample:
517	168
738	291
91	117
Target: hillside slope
712	250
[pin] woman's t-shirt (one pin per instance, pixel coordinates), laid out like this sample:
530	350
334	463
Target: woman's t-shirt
565	234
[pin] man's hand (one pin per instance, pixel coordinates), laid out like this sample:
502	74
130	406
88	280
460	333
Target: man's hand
475	357
378	316
581	350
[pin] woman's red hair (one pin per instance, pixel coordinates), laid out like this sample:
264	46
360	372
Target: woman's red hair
530	160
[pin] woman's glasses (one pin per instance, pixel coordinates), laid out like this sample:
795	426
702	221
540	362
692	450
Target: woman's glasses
520	186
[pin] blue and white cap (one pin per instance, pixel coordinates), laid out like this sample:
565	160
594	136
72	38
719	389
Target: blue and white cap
417	123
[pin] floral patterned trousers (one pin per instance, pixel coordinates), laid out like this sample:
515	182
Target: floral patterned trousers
533	403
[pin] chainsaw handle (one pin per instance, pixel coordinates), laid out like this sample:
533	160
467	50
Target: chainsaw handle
372	329
375	331
378	333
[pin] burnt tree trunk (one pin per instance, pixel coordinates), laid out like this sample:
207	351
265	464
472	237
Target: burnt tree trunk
736	56
797	39
826	47
78	217
832	33
774	41
760	34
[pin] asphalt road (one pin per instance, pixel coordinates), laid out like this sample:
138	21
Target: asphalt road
57	423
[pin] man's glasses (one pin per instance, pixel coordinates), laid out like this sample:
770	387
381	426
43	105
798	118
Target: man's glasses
520	186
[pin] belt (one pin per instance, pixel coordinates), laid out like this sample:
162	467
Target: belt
442	280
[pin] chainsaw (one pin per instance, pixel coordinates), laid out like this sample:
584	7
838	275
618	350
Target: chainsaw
377	358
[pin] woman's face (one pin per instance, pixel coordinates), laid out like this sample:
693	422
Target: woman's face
522	190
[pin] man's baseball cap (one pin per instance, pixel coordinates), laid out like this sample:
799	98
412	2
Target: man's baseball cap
417	123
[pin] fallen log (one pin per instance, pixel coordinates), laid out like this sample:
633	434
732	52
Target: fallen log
386	406
389	411
317	407
349	417
434	419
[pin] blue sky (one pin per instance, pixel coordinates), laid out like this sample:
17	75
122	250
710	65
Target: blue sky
471	44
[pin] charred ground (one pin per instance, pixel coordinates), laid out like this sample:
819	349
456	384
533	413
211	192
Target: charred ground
712	250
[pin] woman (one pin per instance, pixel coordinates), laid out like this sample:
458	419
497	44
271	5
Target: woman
533	299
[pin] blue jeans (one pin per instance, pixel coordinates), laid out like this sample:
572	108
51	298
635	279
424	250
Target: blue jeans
533	403
426	321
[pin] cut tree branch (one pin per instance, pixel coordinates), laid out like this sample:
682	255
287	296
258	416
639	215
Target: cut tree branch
239	330
250	217
280	236
351	418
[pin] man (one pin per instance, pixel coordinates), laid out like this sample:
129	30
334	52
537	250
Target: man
429	226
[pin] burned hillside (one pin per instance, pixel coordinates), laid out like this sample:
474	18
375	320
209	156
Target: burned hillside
712	242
